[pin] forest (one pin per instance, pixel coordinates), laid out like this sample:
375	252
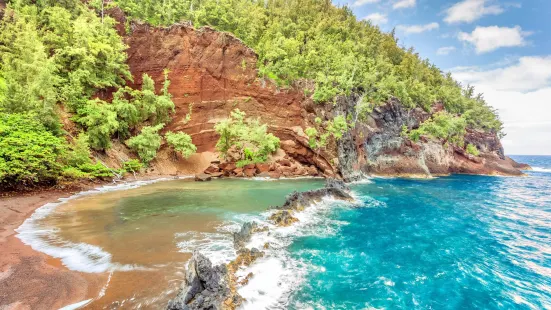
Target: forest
55	56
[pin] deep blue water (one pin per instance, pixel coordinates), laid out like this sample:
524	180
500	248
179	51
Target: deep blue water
459	242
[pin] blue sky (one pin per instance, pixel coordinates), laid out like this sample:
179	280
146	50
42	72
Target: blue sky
503	47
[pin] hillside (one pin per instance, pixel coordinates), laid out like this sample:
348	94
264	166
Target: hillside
97	88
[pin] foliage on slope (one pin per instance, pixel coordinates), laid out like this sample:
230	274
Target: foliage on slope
56	55
315	40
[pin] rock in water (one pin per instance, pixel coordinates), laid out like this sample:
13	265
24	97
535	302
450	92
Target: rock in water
205	286
296	201
334	188
203	177
244	235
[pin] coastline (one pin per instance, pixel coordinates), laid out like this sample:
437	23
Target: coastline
30	279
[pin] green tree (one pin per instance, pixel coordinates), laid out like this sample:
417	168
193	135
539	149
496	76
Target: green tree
27	75
29	153
248	136
442	125
101	122
181	143
147	143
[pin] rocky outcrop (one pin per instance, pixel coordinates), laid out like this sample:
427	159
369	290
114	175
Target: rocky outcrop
274	168
213	72
382	149
298	201
243	236
205	287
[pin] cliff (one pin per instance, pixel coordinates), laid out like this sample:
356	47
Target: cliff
213	73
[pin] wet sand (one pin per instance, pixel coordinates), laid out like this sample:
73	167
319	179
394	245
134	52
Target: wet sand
30	279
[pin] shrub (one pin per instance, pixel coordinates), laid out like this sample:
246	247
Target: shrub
247	135
442	125
132	165
28	152
147	143
101	122
181	143
472	149
79	153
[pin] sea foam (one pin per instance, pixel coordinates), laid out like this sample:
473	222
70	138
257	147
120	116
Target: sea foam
75	256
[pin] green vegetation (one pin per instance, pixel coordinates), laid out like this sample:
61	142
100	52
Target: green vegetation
335	128
132	166
59	60
29	153
442	125
247	136
147	143
54	56
315	40
472	149
181	143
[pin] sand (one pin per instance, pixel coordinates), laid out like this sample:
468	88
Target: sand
30	279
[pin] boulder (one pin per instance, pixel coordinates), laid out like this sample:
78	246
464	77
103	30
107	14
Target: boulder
216	174
336	189
274	174
238	172
202	177
264	175
312	171
249	172
283	218
263	167
205	286
227	167
243	236
212	169
285	162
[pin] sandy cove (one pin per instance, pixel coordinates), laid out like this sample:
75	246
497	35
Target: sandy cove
30	279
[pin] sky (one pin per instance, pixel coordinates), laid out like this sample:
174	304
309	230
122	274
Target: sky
502	47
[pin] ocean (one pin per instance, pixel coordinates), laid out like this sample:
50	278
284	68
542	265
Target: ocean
457	242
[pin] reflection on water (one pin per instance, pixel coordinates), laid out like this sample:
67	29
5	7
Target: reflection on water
144	236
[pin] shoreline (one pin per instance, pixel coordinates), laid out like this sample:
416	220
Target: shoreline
29	278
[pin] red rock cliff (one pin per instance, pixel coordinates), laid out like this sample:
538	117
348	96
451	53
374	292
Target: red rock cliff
214	73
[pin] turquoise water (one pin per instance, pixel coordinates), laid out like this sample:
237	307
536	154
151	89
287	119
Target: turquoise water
459	242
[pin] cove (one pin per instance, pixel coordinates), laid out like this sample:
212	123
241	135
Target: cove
140	238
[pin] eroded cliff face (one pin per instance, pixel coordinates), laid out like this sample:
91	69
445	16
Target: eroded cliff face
382	150
212	73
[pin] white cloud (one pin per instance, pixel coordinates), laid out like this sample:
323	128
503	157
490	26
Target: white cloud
468	11
445	50
528	74
520	91
402	4
487	39
377	18
417	28
359	3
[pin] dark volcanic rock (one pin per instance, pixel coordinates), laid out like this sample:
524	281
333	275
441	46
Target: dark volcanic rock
205	286
283	218
244	235
334	188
